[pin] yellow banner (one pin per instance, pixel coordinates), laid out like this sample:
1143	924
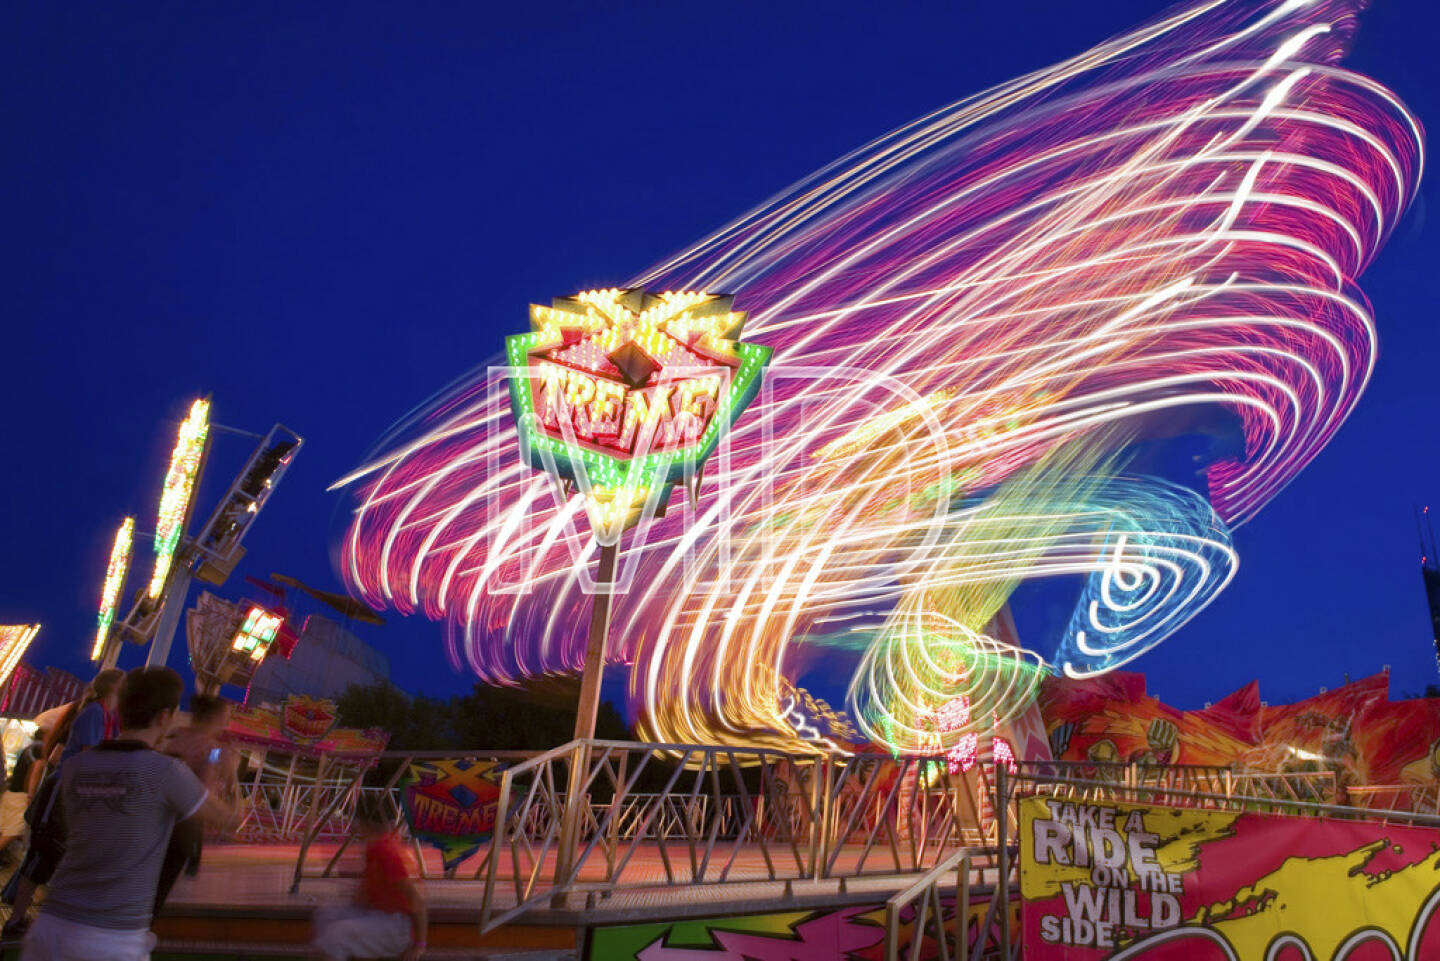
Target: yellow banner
1125	881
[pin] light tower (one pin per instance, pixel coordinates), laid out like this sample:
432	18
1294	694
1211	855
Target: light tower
115	574
212	553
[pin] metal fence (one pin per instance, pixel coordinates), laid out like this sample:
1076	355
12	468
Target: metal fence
649	816
926	924
655	816
716	815
1420	798
1153	782
282	792
329	801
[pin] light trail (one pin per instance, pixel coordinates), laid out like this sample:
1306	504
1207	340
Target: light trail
976	320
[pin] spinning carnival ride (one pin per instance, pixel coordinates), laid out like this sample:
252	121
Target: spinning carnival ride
983	324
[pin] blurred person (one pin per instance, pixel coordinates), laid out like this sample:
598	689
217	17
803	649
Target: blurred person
97	702
199	746
85	724
121	799
388	916
196	742
17	791
96	720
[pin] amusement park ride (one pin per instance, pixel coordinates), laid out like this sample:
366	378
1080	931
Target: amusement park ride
209	555
982	319
620	395
228	640
14	642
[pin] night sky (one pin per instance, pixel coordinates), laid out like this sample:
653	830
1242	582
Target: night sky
322	213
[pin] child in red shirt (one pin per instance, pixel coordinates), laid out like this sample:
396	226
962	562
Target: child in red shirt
388	916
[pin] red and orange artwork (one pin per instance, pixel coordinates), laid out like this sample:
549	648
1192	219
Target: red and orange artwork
1356	731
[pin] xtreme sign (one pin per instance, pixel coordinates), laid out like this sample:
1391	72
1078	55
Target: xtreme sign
627	392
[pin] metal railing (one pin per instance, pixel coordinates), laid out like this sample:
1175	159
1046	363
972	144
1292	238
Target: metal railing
1420	798
655	816
717	815
330	810
278	797
925	904
705	815
1154	781
916	922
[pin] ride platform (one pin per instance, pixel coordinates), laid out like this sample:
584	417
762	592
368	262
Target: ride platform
240	906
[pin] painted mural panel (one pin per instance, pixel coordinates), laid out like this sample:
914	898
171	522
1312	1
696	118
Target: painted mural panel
853	933
1122	881
1355	731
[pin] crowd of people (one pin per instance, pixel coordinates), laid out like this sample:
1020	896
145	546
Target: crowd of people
116	800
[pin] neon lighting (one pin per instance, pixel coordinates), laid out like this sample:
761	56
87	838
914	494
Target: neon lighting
629	391
257	632
953	715
975	319
14	641
115	573
177	491
1003	755
964	755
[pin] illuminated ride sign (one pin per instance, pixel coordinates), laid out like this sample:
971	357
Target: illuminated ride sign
114	581
257	632
626	393
179	487
14	641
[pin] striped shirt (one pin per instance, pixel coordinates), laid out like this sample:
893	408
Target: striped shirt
121	801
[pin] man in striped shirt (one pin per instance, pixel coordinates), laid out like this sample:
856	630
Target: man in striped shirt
121	800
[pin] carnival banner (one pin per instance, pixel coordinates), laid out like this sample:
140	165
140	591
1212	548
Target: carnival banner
305	725
1123	881
451	805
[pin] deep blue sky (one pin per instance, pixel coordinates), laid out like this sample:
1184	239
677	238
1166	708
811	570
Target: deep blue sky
323	212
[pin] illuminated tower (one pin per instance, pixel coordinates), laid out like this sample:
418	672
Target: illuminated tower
210	554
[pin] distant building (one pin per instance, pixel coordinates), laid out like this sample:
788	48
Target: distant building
327	659
31	691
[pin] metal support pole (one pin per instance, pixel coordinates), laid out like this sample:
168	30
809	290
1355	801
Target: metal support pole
1002	830
827	818
962	910
175	593
817	775
617	810
595	645
111	653
585	712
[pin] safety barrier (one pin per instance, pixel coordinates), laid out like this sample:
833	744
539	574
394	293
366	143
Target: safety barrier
591	819
927	924
1157	779
716	815
1421	798
282	789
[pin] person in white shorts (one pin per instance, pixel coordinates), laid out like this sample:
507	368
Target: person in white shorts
121	800
388	917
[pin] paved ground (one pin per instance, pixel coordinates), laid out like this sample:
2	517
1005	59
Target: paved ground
241	904
236	879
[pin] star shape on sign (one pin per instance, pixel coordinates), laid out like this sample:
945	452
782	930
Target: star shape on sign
460	783
638	332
